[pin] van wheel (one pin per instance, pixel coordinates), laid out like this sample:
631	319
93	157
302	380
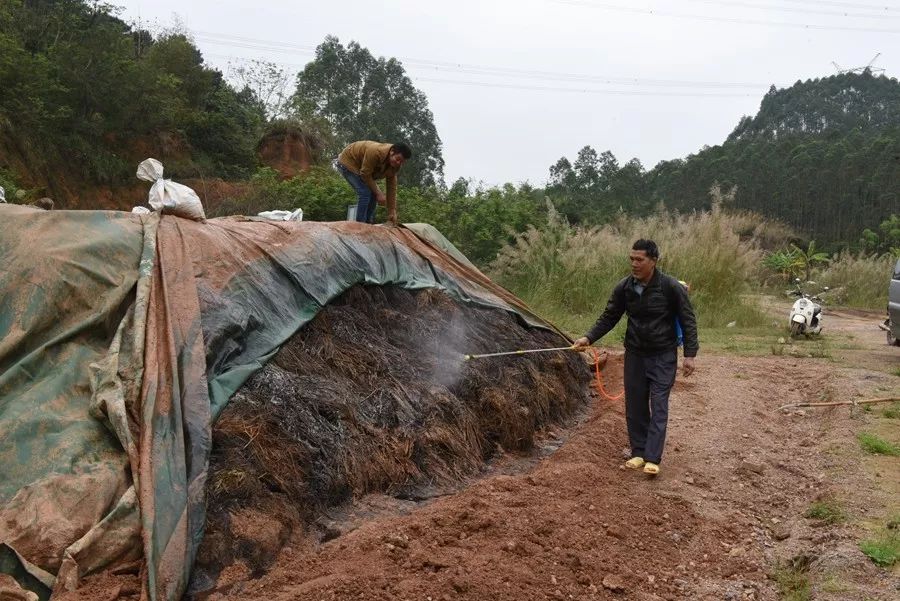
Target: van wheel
890	336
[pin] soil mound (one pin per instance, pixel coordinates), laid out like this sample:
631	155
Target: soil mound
288	150
374	395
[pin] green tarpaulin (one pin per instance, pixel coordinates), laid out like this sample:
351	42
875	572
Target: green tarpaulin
122	337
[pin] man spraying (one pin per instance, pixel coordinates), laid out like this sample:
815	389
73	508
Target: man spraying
361	164
653	302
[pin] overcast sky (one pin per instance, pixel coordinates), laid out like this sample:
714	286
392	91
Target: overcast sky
516	84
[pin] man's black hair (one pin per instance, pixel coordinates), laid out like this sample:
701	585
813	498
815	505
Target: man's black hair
403	149
648	246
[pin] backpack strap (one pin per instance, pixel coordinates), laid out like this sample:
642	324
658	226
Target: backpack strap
668	286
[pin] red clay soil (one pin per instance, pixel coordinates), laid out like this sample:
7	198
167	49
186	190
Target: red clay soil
727	510
286	151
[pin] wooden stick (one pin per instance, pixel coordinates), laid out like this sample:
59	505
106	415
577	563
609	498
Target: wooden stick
836	403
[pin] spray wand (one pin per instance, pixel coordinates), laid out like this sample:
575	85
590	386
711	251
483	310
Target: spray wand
596	354
525	352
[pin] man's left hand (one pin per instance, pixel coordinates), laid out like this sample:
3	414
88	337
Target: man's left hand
392	218
688	367
581	344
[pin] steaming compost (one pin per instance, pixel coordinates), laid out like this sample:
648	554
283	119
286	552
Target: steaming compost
373	395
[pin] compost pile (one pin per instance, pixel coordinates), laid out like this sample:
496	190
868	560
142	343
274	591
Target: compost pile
374	395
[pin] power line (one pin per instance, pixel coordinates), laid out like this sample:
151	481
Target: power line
852	5
805	11
244	59
488	84
739	21
511	86
484	70
287	45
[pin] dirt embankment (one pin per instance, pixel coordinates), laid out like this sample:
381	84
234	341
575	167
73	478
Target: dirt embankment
287	150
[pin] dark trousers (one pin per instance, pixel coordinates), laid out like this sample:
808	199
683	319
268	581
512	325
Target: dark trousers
648	381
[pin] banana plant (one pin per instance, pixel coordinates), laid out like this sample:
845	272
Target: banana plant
806	259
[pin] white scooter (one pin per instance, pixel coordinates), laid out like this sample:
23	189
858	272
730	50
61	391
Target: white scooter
806	314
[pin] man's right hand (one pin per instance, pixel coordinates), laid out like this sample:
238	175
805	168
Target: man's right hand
381	199
581	344
392	218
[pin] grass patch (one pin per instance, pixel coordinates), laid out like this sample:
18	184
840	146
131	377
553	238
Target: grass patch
746	341
834	584
827	510
884	548
820	350
876	445
815	348
793	580
858	280
892	412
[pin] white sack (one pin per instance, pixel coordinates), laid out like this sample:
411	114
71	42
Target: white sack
279	215
167	196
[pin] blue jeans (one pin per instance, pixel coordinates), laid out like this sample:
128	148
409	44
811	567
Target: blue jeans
365	200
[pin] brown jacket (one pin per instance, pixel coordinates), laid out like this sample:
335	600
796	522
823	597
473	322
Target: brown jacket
368	160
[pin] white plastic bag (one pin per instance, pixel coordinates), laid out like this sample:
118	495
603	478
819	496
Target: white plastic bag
167	196
2	194
141	210
279	215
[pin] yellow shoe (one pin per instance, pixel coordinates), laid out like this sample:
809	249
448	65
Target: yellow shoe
651	468
635	463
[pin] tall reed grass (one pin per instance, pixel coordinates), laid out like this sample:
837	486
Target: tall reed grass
568	273
858	280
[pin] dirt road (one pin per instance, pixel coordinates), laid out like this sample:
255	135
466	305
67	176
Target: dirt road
725	517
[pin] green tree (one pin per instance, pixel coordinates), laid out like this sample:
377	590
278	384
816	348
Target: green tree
269	83
595	187
887	241
362	97
823	156
85	97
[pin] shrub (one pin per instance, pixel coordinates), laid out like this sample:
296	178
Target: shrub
478	223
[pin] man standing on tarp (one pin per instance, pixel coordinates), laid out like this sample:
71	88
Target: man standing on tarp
361	163
653	301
